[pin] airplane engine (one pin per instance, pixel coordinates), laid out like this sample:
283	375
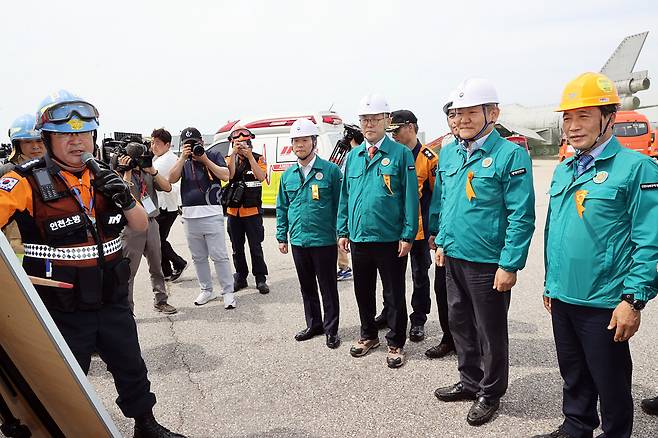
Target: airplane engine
632	85
629	103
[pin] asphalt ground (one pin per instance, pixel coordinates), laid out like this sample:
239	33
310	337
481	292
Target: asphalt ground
240	373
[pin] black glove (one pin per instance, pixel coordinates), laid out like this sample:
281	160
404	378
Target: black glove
111	185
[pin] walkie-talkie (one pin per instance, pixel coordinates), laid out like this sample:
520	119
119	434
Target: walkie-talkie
46	186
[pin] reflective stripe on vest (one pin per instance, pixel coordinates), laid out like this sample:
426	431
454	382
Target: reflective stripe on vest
75	253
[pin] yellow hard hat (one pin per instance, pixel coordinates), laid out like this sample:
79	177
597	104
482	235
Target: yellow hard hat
588	89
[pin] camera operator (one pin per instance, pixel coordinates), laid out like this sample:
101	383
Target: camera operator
201	172
135	163
245	215
353	137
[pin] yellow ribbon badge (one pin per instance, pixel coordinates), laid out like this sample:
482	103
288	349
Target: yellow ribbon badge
387	181
580	200
315	192
470	193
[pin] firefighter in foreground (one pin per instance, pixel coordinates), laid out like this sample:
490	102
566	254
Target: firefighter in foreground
70	219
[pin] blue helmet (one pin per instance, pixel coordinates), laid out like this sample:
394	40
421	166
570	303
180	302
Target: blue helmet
23	129
65	112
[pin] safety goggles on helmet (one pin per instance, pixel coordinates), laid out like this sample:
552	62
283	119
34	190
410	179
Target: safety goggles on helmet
64	111
245	133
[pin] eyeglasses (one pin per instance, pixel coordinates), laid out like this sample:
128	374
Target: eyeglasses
370	120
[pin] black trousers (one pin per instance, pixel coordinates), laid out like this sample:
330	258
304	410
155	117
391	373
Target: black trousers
593	368
420	298
169	257
248	228
367	260
311	264
441	292
478	323
112	333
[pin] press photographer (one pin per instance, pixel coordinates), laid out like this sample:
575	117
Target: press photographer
134	161
243	200
201	172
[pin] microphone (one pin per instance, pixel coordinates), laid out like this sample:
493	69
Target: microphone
90	162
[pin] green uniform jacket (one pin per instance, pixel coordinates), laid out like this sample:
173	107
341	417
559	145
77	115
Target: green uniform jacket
310	222
497	224
613	248
379	197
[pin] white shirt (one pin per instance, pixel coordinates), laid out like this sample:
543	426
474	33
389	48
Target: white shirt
307	169
376	145
198	211
169	201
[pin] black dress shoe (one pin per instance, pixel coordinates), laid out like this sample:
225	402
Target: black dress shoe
307	333
263	288
559	433
380	321
650	406
438	351
417	333
239	284
455	392
482	411
333	341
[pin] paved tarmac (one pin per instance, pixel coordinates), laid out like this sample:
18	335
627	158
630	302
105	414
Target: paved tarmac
240	373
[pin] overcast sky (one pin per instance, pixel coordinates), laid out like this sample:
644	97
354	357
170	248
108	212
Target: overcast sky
148	64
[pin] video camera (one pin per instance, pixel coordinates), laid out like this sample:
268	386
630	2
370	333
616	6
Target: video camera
5	151
344	145
133	146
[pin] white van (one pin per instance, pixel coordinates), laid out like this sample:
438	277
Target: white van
273	142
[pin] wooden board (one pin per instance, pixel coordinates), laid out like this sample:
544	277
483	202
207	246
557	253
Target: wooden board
46	367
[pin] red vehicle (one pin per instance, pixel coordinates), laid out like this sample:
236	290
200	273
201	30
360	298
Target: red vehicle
654	144
520	140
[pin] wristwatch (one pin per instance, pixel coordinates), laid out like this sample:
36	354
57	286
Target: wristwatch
636	304
407	240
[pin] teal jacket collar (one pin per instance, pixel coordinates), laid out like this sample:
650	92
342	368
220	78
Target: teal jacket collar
610	151
384	148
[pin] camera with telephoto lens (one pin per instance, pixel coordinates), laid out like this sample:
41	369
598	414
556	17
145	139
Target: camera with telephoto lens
138	151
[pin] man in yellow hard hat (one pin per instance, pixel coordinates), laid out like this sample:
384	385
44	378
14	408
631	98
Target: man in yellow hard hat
601	255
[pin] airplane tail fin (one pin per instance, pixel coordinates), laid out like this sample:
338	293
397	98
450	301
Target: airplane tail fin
621	63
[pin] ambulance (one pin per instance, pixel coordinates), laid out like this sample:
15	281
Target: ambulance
273	142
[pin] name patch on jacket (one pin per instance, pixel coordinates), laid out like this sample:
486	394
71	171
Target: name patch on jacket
517	172
429	154
411	167
66	223
8	183
649	186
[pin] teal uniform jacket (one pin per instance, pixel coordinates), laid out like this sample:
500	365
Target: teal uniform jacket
496	225
379	197
601	235
307	210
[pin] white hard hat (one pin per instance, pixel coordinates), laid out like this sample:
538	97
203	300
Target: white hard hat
303	128
473	92
448	105
373	104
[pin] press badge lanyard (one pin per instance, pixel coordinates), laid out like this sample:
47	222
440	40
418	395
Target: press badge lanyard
78	197
196	180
